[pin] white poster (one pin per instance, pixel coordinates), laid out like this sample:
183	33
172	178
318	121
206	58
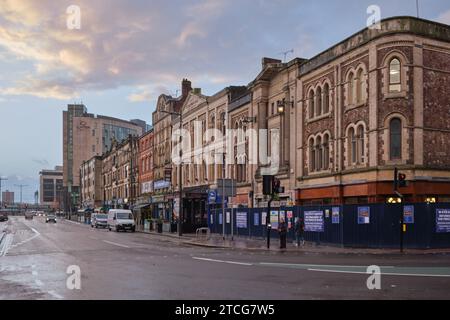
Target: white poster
228	217
263	218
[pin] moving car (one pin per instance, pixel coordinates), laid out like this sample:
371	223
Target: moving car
50	218
99	220
119	219
29	215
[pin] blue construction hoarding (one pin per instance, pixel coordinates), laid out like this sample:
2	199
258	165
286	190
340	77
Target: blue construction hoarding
363	226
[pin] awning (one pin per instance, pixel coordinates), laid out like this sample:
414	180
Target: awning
142	206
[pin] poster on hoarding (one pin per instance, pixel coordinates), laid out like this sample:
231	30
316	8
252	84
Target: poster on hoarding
408	214
256	219
314	221
220	218
443	220
211	218
263	218
228	217
363	215
274	219
290	216
241	220
282	216
335	215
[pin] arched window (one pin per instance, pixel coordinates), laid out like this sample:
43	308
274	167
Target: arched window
319	154
326	98
319	102
360	142
352	145
312	156
395	75
360	86
395	133
326	152
311	104
351	88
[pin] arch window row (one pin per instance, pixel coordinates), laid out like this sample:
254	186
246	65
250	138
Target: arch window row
319	101
319	153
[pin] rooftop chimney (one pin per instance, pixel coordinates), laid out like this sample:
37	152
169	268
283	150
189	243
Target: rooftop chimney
186	87
269	61
197	91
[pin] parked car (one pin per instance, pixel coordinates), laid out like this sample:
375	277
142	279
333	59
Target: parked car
50	218
3	217
99	220
119	219
29	215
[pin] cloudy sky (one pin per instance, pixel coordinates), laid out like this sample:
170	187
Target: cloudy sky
128	52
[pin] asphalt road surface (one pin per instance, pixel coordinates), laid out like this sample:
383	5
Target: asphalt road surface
35	257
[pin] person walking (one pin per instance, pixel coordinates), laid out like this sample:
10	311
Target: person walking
296	231
283	234
300	232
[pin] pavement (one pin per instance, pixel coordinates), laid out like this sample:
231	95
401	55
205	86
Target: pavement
39	260
260	244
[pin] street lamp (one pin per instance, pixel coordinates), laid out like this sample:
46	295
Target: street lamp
180	170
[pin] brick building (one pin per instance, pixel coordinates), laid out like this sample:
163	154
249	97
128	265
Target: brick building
120	169
377	100
163	118
91	183
145	162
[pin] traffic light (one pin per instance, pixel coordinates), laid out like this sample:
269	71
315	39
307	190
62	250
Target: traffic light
399	180
402	180
276	185
267	185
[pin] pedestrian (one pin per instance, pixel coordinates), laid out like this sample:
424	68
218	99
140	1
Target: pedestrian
282	229
296	231
300	232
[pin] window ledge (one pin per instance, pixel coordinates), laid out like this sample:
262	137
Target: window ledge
356	166
395	162
355	106
319	173
324	116
395	95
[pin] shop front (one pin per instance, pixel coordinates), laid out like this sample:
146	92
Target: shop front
195	208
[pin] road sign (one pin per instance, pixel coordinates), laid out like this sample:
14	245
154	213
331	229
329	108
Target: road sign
212	196
226	187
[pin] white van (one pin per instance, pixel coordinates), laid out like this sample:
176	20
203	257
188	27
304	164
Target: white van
119	219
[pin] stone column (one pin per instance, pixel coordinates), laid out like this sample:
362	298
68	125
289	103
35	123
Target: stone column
373	106
418	102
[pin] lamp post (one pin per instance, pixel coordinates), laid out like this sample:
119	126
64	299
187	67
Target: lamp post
21	186
1	195
180	171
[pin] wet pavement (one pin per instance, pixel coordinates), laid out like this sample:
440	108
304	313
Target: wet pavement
35	257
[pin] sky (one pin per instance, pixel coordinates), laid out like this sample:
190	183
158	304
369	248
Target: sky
127	53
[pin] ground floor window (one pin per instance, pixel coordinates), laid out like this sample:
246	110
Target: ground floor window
356	200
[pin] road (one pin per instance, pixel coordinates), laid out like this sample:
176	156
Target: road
35	256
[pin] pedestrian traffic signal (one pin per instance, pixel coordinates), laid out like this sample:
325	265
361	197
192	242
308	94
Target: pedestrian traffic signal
402	180
267	185
399	180
276	185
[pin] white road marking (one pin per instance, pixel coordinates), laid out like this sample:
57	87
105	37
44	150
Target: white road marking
34	273
38	282
224	261
385	273
55	295
116	244
7	241
306	266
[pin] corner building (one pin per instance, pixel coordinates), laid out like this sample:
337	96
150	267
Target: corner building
377	101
